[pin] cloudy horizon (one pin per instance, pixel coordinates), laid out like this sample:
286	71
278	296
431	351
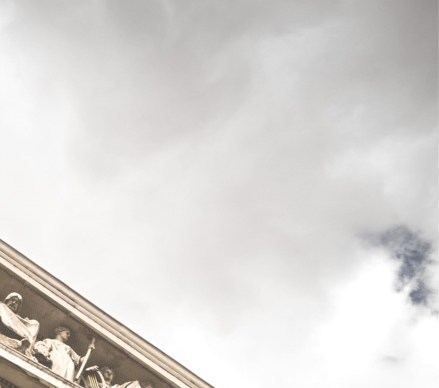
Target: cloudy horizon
250	186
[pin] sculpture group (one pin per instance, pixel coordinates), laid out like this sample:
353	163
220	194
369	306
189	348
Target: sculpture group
21	334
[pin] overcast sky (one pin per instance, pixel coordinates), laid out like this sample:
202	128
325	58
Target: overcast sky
251	186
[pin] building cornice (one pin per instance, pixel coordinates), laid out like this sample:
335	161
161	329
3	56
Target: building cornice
115	332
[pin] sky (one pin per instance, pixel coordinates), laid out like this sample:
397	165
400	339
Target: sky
251	186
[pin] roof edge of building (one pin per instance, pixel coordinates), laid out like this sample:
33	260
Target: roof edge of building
123	336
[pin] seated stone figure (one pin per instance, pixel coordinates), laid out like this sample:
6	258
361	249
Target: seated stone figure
17	332
62	357
109	375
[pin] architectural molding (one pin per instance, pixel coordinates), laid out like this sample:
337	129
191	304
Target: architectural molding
98	321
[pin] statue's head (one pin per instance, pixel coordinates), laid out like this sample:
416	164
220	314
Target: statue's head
108	374
62	333
13	301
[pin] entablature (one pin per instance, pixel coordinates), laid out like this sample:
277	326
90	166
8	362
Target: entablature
53	304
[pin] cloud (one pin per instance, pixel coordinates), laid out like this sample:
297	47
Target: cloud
391	360
414	255
421	294
201	171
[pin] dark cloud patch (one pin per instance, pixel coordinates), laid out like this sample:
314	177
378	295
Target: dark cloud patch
414	255
410	249
421	293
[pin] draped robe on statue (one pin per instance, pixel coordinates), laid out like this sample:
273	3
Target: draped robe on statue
15	326
63	357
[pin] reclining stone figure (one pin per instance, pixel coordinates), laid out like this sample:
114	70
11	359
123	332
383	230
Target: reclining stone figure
17	332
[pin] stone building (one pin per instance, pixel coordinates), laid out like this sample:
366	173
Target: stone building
52	304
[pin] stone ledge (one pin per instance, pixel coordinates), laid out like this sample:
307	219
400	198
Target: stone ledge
33	372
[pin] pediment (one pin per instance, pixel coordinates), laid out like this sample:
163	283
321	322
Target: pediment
54	304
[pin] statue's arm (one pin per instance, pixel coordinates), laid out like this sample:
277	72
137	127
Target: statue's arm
43	347
75	357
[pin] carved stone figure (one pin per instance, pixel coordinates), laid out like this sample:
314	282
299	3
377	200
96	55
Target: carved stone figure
17	332
109	375
63	358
